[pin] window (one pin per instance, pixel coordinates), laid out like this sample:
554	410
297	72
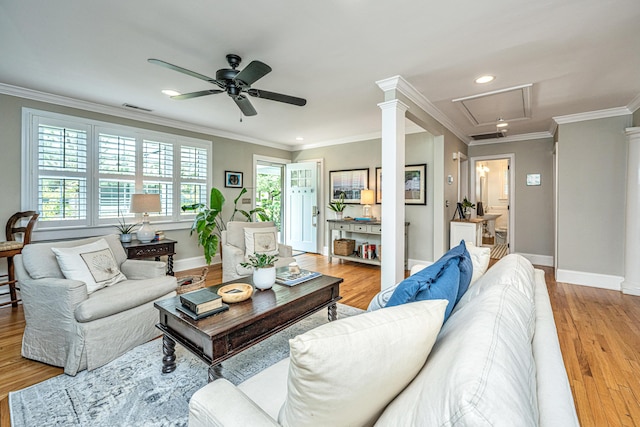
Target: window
82	173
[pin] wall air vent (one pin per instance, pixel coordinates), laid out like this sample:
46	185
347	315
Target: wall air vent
135	107
492	135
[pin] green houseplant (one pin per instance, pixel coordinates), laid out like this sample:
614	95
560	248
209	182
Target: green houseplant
467	206
264	270
125	230
208	223
338	206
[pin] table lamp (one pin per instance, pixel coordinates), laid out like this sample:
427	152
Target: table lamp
145	203
366	199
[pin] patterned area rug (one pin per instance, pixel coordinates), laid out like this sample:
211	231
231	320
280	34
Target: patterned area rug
132	391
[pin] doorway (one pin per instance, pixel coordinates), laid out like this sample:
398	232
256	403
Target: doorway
269	189
492	178
301	200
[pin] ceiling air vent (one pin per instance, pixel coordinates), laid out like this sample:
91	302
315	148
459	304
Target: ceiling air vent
492	135
135	107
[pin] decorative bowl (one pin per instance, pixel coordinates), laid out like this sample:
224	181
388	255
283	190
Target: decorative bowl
235	292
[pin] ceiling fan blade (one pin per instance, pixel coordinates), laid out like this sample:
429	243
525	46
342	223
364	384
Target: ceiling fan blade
196	94
252	72
183	70
245	105
277	97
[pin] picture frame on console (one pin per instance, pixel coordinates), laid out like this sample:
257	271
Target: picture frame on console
415	184
350	182
232	179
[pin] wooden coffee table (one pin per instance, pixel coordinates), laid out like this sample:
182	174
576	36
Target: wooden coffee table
223	335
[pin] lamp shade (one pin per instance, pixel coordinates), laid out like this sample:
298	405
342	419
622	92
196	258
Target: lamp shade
366	197
143	203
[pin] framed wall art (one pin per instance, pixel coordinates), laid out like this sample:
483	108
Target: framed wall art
232	179
415	184
350	182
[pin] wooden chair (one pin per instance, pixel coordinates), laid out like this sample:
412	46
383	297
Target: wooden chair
13	247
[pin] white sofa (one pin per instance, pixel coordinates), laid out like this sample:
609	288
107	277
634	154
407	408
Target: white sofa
496	362
67	325
233	244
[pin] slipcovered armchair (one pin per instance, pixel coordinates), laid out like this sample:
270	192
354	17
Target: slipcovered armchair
78	325
234	247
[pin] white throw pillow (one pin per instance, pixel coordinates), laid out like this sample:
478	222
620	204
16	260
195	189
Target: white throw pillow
480	260
261	240
93	264
346	372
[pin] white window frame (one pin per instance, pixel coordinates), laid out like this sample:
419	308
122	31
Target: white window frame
48	230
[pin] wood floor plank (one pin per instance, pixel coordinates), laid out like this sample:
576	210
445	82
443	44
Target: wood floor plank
598	330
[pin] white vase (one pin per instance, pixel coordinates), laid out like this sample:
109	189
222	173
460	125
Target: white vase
264	278
125	238
338	215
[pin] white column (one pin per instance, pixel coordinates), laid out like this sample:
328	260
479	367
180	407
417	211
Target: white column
393	153
631	283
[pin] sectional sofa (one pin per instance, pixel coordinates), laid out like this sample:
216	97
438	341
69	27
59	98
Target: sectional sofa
496	361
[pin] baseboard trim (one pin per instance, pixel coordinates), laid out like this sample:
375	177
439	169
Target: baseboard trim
630	288
544	260
594	280
194	262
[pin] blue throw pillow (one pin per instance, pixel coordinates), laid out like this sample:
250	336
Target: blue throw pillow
448	278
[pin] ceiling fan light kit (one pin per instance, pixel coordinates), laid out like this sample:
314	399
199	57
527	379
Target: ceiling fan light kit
235	83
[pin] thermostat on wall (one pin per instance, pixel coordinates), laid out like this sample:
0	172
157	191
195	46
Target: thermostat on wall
533	179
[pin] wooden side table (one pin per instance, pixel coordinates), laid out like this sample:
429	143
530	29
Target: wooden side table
155	249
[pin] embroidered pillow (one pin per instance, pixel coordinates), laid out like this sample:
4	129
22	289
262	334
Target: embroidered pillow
261	241
93	264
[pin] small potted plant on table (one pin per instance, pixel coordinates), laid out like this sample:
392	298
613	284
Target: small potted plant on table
264	270
125	230
338	206
466	207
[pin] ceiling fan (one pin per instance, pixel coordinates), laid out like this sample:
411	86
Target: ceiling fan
235	83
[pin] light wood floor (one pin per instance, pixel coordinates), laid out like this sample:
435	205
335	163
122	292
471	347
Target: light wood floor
599	333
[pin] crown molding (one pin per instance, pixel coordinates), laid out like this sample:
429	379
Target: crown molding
514	138
133	115
404	87
592	115
634	104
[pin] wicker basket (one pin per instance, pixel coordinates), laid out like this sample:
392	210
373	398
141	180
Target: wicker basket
344	247
196	282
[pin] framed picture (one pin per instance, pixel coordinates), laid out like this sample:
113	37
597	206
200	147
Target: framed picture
232	179
415	184
350	182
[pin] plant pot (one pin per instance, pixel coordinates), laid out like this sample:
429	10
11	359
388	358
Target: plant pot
338	215
125	238
264	278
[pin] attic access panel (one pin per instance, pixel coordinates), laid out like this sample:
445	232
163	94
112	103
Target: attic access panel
510	104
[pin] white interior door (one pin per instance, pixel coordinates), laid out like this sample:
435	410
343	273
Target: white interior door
301	187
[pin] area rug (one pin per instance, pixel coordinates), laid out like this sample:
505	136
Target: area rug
132	391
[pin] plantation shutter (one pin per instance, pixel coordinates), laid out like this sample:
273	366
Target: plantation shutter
158	173
193	175
116	171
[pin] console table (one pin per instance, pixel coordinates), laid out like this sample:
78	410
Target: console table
155	249
354	229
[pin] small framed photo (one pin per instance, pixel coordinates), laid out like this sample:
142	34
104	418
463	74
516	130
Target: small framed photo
232	179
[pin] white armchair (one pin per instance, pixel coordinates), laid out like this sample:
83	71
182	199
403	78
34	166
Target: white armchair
67	325
234	249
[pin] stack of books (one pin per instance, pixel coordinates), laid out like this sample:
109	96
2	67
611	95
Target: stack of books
284	276
201	303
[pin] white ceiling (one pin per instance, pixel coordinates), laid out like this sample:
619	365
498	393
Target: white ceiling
579	55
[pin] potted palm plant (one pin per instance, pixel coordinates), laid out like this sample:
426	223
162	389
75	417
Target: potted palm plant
466	207
338	206
264	270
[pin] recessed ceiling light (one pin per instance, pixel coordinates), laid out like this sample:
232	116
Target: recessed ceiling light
299	138
485	79
170	92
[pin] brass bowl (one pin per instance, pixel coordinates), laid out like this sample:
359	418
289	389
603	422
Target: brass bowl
235	292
